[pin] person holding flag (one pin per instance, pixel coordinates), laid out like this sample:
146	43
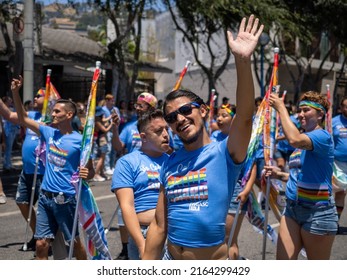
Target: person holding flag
197	181
310	216
57	202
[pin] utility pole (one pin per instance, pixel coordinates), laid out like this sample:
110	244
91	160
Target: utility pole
28	46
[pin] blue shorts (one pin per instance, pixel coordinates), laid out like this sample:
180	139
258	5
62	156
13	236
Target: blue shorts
104	149
316	219
25	184
133	251
51	216
234	203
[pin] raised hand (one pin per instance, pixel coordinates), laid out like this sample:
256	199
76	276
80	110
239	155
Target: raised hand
275	101
16	84
247	38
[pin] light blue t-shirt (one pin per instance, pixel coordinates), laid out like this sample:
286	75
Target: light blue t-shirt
30	143
218	136
283	145
62	159
175	141
108	111
139	172
130	136
311	171
198	186
339	125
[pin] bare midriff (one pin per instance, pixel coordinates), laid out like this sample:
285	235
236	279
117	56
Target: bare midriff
218	252
146	217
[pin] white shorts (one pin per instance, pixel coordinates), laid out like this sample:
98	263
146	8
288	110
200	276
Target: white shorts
339	176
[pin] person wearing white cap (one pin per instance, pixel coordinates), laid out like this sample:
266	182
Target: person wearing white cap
129	138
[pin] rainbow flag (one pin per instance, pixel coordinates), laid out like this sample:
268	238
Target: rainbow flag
269	135
270	131
51	96
180	79
88	212
261	125
254	214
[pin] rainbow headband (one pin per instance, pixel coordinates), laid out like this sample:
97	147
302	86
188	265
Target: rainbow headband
226	108
313	105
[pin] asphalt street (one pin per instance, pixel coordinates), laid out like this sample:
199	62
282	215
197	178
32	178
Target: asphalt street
13	226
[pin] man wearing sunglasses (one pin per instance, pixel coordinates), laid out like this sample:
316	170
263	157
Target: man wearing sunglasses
197	181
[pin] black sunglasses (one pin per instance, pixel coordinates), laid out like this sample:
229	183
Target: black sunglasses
184	110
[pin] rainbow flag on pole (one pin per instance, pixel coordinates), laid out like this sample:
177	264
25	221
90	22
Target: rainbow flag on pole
51	96
88	212
329	113
180	79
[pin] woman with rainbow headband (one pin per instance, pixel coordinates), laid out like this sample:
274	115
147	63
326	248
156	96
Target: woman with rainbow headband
310	218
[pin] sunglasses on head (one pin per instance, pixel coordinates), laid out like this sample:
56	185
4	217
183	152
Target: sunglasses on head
184	110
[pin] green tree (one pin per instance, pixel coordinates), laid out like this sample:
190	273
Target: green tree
295	26
124	15
325	22
202	22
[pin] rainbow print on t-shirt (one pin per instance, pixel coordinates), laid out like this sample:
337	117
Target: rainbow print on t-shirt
190	187
343	132
153	180
295	159
313	193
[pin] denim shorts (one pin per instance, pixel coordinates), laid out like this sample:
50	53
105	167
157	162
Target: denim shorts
51	216
133	251
234	203
316	219
104	149
25	184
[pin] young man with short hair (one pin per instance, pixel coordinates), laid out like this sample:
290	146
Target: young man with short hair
57	201
199	179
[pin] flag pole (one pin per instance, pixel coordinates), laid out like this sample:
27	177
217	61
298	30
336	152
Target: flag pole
111	221
31	204
270	143
328	117
233	228
78	192
180	79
